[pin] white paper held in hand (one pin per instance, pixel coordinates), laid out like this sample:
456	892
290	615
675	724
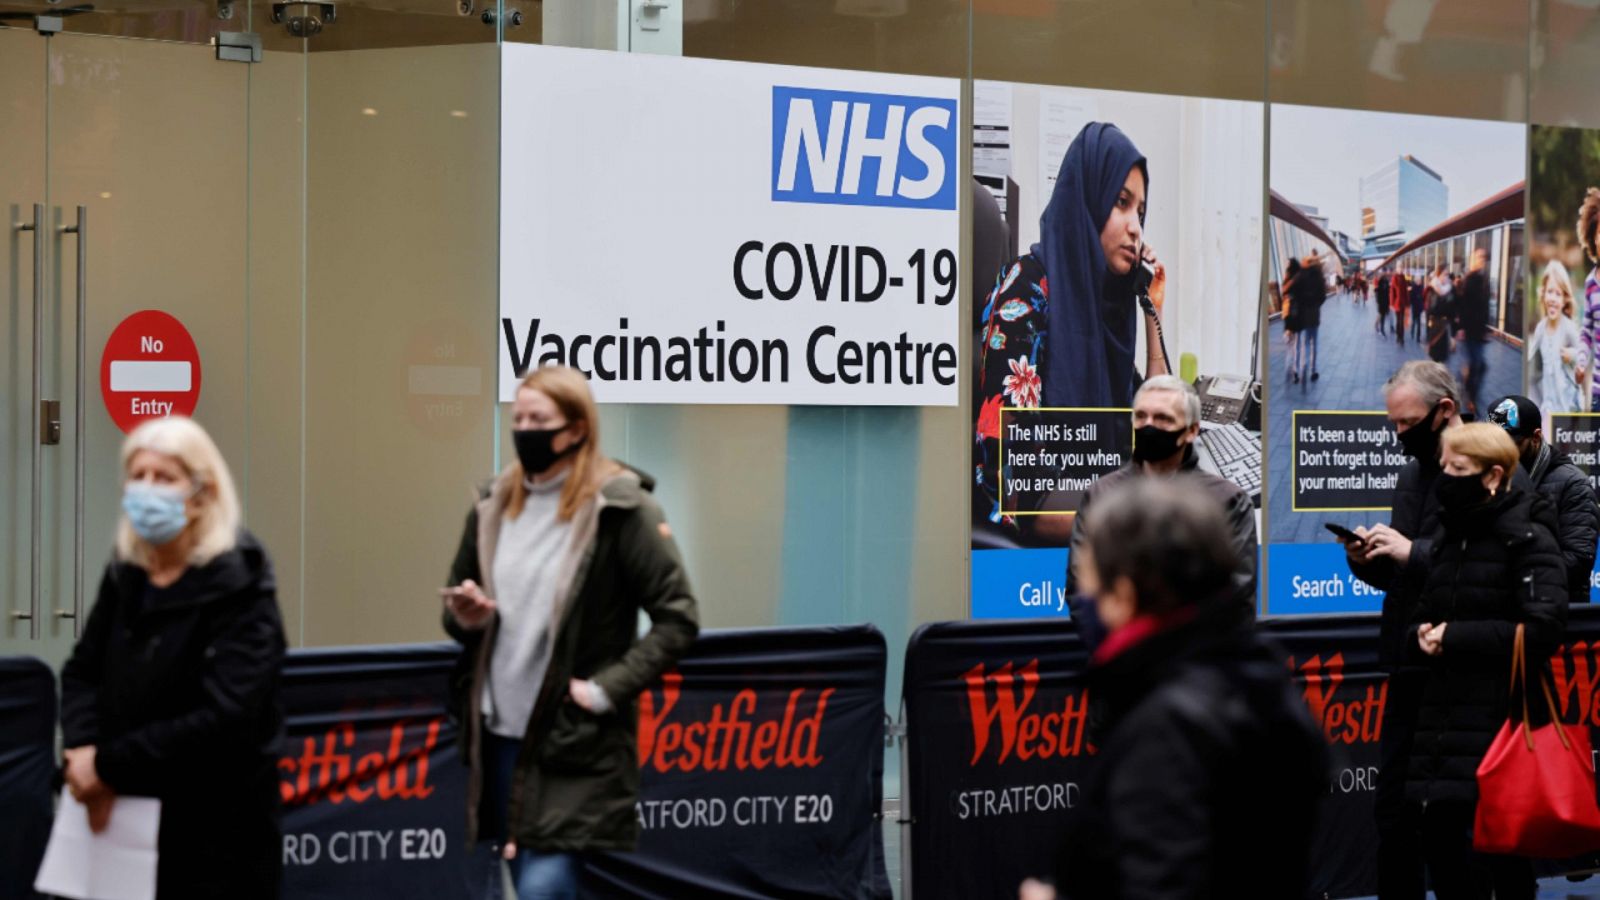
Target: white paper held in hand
119	863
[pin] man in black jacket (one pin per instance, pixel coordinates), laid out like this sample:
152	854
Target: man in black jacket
1210	769
1422	400
1166	421
1561	482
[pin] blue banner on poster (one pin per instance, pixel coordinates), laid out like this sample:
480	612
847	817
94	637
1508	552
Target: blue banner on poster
1315	578
1019	584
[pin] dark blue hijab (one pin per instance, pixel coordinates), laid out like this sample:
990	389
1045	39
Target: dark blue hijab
1093	318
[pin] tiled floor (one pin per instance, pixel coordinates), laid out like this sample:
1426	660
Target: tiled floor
1354	362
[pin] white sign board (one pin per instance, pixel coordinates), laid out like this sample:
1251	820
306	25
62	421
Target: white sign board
698	231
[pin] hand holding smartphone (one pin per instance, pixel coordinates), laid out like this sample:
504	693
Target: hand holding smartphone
467	604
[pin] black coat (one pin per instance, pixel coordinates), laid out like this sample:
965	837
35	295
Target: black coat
177	689
1577	515
1415	514
1208	778
1236	507
1489	569
1307	293
1473	309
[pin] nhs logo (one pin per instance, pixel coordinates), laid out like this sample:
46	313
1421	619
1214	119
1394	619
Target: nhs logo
863	149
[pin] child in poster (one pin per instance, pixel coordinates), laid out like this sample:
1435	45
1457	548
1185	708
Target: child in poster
1557	359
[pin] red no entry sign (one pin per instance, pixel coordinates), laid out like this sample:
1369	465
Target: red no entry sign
150	368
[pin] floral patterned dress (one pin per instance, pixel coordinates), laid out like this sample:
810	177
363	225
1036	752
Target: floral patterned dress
1010	351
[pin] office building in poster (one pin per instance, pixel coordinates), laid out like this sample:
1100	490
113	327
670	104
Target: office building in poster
1404	195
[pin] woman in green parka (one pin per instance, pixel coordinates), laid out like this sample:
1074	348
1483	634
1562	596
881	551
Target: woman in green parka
557	560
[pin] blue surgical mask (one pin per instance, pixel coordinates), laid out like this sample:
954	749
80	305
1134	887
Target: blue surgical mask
158	514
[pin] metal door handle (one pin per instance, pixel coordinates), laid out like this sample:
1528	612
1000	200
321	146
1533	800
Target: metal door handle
81	229
36	503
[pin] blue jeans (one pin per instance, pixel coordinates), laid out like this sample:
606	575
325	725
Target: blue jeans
545	876
537	876
1308	351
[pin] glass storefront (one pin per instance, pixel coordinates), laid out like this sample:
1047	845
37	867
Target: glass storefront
314	189
326	218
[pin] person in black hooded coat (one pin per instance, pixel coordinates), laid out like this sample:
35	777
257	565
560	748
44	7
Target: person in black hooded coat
172	689
1210	767
1494	564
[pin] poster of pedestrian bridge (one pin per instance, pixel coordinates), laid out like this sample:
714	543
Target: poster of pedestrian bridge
1374	218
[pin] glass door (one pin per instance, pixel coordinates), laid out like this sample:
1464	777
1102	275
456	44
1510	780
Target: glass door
129	135
22	198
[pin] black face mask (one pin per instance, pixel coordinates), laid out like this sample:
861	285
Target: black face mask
1154	444
1421	441
536	451
1458	493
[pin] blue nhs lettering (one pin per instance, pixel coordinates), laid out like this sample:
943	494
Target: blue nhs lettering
863	149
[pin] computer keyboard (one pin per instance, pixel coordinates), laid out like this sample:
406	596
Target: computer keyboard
1237	455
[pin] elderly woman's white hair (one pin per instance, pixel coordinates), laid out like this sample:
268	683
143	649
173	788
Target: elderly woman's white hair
216	526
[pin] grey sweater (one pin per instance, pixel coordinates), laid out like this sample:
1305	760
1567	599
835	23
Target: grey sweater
527	577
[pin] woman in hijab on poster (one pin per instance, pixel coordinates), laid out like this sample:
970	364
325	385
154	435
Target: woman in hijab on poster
1061	327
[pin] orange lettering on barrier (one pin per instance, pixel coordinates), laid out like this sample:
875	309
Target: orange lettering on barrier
1350	722
730	738
1025	735
323	770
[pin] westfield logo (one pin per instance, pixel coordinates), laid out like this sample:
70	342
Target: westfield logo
328	768
998	704
731	737
1575	673
1349	722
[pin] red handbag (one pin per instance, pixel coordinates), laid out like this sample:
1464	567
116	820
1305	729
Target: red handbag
1536	786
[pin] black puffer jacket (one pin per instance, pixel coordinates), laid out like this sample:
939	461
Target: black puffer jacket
1208	778
1416	515
1490	569
1577	515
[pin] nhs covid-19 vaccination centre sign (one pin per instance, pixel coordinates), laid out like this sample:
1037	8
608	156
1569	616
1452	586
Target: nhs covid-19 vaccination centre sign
697	231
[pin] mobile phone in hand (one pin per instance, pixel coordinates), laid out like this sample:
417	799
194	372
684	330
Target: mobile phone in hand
1344	533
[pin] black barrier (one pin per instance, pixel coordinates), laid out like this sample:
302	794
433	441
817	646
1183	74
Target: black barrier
372	786
1335	663
995	715
994	711
761	771
762	763
27	769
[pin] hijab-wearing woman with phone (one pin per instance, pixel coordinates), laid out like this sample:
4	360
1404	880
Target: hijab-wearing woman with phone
1494	564
557	560
1061	326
